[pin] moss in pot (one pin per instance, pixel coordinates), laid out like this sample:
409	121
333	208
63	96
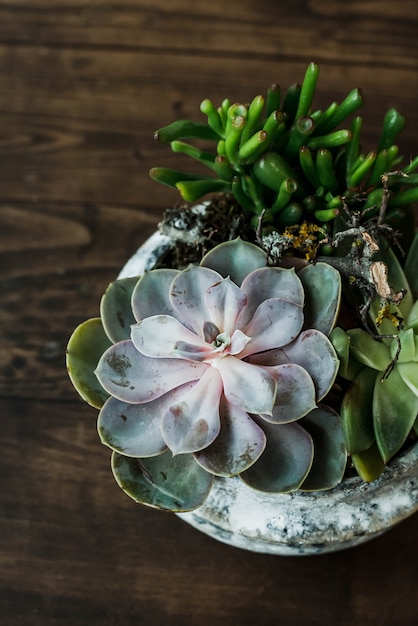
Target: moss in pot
256	363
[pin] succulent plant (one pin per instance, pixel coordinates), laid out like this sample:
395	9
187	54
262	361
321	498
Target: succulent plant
242	363
379	410
286	162
215	370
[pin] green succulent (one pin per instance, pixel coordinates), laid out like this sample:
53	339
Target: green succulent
379	410
288	162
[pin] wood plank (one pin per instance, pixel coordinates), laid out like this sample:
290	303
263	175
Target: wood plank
83	85
219	27
73	546
91	139
55	264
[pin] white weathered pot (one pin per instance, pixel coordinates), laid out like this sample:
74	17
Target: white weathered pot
309	523
297	523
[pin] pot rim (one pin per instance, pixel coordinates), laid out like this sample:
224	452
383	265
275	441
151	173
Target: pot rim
310	522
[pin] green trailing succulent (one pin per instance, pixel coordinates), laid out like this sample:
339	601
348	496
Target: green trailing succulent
273	360
286	162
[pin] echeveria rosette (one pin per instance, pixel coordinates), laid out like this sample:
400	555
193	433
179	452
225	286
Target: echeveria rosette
380	408
219	376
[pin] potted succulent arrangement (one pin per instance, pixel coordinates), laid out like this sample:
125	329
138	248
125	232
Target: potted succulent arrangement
255	363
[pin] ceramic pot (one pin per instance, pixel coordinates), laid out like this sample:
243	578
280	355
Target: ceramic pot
297	523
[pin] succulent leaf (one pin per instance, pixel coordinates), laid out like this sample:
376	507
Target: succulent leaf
357	412
170	178
395	409
322	286
185	129
367	350
85	347
192	190
236	259
409	374
410	268
225	301
164	482
268	282
238	446
408	349
132	429
349	367
158	336
393	124
330	458
251	388
286	461
192	423
275	323
296	395
206	158
314	352
368	464
187	295
151	295
307	90
412	319
272	170
130	376
115	309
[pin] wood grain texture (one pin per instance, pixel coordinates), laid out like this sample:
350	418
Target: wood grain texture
83	85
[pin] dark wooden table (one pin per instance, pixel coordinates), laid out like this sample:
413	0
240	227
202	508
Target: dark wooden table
83	85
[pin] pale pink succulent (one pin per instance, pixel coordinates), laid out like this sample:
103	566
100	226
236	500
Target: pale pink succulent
220	365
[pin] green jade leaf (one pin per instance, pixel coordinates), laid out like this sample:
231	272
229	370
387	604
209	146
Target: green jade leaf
170	178
349	366
356	412
409	374
368	464
410	268
369	351
184	129
192	190
408	349
412	319
395	409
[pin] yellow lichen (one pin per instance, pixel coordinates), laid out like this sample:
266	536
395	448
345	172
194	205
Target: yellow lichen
385	313
304	238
